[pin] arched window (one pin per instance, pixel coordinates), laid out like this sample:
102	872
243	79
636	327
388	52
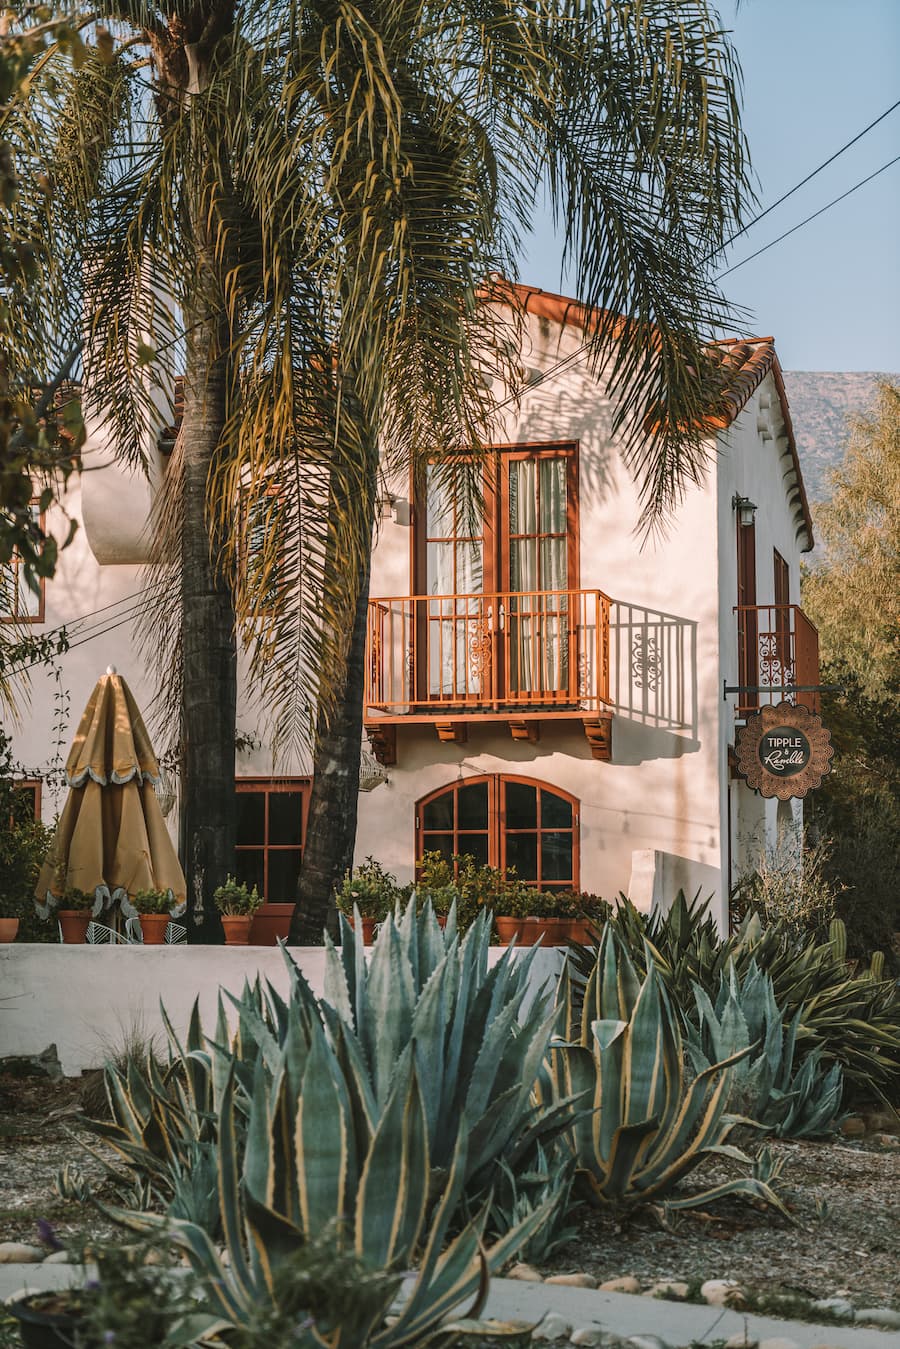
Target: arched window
505	821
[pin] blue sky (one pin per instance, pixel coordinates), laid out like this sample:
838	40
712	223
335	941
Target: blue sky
815	73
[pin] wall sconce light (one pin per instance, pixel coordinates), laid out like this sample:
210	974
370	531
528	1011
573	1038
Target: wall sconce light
746	509
394	508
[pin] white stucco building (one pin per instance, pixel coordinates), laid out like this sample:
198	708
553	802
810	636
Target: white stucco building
542	690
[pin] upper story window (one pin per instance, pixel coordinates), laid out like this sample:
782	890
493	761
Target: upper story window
505	821
19	603
271	831
527	538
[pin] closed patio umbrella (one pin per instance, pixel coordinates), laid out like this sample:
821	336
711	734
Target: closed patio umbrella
111	839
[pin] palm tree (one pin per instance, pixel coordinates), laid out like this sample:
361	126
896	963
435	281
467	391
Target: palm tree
321	189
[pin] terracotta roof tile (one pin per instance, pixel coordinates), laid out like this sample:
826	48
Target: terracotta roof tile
745	363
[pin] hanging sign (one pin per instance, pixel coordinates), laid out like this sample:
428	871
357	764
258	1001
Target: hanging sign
783	751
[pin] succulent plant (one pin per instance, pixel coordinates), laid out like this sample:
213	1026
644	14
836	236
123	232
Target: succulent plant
639	1127
801	1104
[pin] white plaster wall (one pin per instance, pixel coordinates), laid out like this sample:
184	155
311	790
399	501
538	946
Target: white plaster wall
86	999
753	461
661	789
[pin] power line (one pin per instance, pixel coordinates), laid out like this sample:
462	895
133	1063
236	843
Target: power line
90	632
814	216
796	188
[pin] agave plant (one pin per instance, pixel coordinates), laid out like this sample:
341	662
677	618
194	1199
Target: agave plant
802	1104
642	1127
852	1015
476	1032
321	1157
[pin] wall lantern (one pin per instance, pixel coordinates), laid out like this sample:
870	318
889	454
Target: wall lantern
746	509
394	508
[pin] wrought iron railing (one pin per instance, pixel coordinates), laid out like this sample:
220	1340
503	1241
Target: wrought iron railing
433	654
778	656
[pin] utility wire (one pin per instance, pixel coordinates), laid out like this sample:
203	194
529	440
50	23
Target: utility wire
808	179
133	603
814	216
580	351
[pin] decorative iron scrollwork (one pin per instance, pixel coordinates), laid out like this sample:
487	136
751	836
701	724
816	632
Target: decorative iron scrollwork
646	662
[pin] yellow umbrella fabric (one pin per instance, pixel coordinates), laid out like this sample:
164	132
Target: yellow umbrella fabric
111	839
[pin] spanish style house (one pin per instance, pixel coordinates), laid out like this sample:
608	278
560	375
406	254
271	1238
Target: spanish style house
542	690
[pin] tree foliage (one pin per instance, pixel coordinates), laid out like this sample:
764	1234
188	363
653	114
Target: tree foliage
852	596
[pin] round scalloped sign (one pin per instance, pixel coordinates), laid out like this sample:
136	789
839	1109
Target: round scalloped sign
783	751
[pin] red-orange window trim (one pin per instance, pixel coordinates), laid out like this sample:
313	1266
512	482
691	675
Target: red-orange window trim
270	787
30	785
496	824
495	561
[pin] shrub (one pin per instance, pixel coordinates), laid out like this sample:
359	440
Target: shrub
799	897
371	889
24	844
232	899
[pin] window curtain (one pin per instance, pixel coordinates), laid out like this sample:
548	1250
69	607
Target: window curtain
538	566
455	570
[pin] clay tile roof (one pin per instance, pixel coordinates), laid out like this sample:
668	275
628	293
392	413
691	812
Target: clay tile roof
745	363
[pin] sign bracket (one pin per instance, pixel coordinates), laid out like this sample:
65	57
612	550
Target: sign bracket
781	688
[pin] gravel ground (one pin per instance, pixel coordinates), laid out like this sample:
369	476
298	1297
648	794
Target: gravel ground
844	1196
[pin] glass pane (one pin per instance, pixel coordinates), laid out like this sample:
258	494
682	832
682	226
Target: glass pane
251	818
468	569
249	868
286	817
29	600
522	496
554	569
556	812
284	868
553	496
438	506
556	857
521	805
442	843
521	853
440	569
476	845
438	814
473	806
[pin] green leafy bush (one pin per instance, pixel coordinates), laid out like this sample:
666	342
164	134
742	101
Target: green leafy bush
234	900
371	889
24	843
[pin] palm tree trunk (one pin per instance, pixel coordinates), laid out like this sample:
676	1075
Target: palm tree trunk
208	634
331	823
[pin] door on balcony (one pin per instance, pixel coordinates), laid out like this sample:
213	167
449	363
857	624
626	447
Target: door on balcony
497	616
748	625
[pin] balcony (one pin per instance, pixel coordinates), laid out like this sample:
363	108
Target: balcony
778	655
520	658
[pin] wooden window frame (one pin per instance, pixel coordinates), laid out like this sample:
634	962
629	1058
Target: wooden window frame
495	537
782	595
496	823
273	786
13	565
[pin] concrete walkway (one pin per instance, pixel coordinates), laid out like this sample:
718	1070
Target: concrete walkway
624	1314
678	1323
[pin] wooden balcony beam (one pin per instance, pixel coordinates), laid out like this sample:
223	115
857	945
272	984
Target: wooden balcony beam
383	739
451	732
599	736
525	730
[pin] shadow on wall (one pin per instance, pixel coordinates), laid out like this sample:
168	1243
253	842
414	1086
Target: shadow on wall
653	674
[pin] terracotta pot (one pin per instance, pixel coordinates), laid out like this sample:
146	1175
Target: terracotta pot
8	929
270	922
153	928
74	924
237	928
528	931
581	930
441	919
368	929
507	928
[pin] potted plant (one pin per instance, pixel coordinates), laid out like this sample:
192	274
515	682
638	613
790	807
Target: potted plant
530	915
74	914
237	905
270	922
24	842
586	914
154	908
372	891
